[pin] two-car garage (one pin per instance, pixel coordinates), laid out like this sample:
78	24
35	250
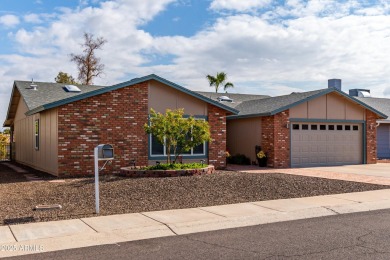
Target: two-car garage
306	129
318	144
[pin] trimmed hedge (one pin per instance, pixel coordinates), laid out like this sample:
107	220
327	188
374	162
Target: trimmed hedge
176	166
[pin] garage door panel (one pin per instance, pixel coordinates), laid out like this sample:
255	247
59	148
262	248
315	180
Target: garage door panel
326	147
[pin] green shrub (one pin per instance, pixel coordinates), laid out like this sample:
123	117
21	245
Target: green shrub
239	159
176	166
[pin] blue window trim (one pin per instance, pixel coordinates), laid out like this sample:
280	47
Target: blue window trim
164	157
317	120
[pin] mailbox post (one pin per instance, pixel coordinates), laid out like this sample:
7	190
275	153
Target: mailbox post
102	152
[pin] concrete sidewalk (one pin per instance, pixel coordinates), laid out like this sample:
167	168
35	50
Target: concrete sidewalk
59	235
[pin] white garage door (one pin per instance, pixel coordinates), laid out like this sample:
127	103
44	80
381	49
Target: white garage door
318	144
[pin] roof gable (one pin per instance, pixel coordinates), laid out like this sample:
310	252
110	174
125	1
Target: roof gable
51	95
273	105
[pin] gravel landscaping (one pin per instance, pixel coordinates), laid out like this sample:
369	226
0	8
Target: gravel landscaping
122	195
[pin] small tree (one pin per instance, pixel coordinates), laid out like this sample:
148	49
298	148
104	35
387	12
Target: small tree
219	80
66	78
88	64
179	134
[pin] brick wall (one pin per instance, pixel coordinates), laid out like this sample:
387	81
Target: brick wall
276	139
116	118
217	148
371	149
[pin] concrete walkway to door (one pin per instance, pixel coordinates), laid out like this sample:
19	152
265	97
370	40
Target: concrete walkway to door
369	173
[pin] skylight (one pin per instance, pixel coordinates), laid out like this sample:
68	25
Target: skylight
71	88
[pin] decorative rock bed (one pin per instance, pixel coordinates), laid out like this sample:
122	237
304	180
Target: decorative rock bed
137	172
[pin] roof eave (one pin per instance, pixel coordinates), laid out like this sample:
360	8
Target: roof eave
8	120
131	83
180	88
36	110
383	116
247	116
324	92
327	91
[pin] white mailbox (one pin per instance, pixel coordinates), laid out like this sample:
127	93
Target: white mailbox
105	152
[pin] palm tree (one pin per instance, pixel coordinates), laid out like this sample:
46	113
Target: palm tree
219	80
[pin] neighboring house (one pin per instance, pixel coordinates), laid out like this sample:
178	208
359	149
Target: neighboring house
315	128
383	125
55	128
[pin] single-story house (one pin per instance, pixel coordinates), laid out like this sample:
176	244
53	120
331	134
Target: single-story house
383	125
55	127
314	128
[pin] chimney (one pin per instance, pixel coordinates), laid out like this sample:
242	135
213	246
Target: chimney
334	83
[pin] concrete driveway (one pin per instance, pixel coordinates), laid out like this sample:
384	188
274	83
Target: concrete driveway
377	170
369	173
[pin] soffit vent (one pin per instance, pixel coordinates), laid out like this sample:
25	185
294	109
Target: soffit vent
71	88
225	99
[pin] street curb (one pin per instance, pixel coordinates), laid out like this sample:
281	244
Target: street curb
138	226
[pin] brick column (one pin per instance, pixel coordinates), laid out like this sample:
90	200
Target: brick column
116	117
276	139
217	148
371	149
267	138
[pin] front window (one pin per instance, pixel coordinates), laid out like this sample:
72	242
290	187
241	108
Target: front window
36	133
158	149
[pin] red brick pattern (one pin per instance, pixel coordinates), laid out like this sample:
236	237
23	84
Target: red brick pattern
371	149
217	148
276	139
116	118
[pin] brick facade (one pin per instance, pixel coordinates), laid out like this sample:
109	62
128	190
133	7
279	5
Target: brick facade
116	118
217	148
276	139
371	148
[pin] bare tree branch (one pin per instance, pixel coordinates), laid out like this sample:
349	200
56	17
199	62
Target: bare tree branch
88	64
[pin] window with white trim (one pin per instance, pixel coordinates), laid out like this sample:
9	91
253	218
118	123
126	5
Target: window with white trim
36	134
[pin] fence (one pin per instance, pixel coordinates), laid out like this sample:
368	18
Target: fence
5	151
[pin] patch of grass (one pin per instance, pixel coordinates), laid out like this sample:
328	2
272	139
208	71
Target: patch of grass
176	166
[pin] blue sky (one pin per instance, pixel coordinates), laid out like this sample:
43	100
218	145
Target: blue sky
270	47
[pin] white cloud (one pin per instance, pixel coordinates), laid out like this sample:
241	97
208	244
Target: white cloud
301	53
296	47
32	18
238	5
9	20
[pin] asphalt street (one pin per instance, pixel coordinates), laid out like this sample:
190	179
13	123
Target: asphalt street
350	236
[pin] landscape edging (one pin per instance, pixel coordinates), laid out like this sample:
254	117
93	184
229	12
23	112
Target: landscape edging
137	172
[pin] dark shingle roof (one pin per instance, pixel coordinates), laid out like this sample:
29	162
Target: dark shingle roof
380	104
237	98
51	95
48	92
272	105
260	105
